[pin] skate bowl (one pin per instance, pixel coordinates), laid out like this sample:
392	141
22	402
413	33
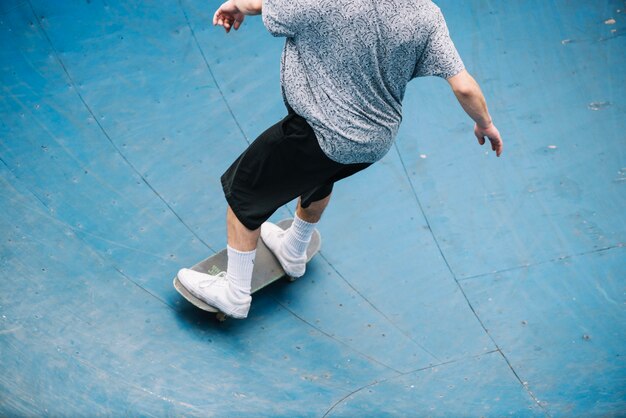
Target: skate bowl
450	282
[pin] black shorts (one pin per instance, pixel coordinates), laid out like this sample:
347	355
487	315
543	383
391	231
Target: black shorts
283	163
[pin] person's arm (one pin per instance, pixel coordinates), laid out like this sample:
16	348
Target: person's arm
471	98
231	13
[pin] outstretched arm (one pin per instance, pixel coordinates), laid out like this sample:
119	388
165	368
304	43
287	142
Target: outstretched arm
231	13
471	98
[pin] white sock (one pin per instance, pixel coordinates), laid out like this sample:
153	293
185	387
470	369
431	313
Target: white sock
298	236
239	271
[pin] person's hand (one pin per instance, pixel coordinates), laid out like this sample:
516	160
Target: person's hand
492	134
228	16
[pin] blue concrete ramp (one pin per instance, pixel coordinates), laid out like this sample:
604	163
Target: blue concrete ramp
450	282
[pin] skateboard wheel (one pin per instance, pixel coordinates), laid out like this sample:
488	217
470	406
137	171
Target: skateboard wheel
220	316
291	279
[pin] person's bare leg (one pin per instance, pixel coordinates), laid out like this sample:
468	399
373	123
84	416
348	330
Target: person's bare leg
240	238
313	213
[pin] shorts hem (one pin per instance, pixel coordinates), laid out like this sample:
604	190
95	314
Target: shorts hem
234	206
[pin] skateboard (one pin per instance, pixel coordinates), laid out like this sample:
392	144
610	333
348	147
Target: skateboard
266	271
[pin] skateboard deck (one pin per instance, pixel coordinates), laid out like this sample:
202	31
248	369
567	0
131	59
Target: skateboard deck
266	271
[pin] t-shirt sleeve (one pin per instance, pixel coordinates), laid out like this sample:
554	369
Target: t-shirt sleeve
439	57
284	17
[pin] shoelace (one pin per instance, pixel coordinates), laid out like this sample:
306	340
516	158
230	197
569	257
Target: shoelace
221	276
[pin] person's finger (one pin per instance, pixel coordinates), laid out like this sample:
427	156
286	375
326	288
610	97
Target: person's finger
481	139
219	17
237	24
496	145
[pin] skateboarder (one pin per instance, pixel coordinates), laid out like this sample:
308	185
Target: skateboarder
344	70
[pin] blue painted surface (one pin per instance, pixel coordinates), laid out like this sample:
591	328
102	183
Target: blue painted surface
450	282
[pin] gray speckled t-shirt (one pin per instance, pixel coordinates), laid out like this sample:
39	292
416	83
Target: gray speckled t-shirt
346	64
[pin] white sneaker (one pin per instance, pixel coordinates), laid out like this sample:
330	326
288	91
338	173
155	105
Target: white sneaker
274	237
217	292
